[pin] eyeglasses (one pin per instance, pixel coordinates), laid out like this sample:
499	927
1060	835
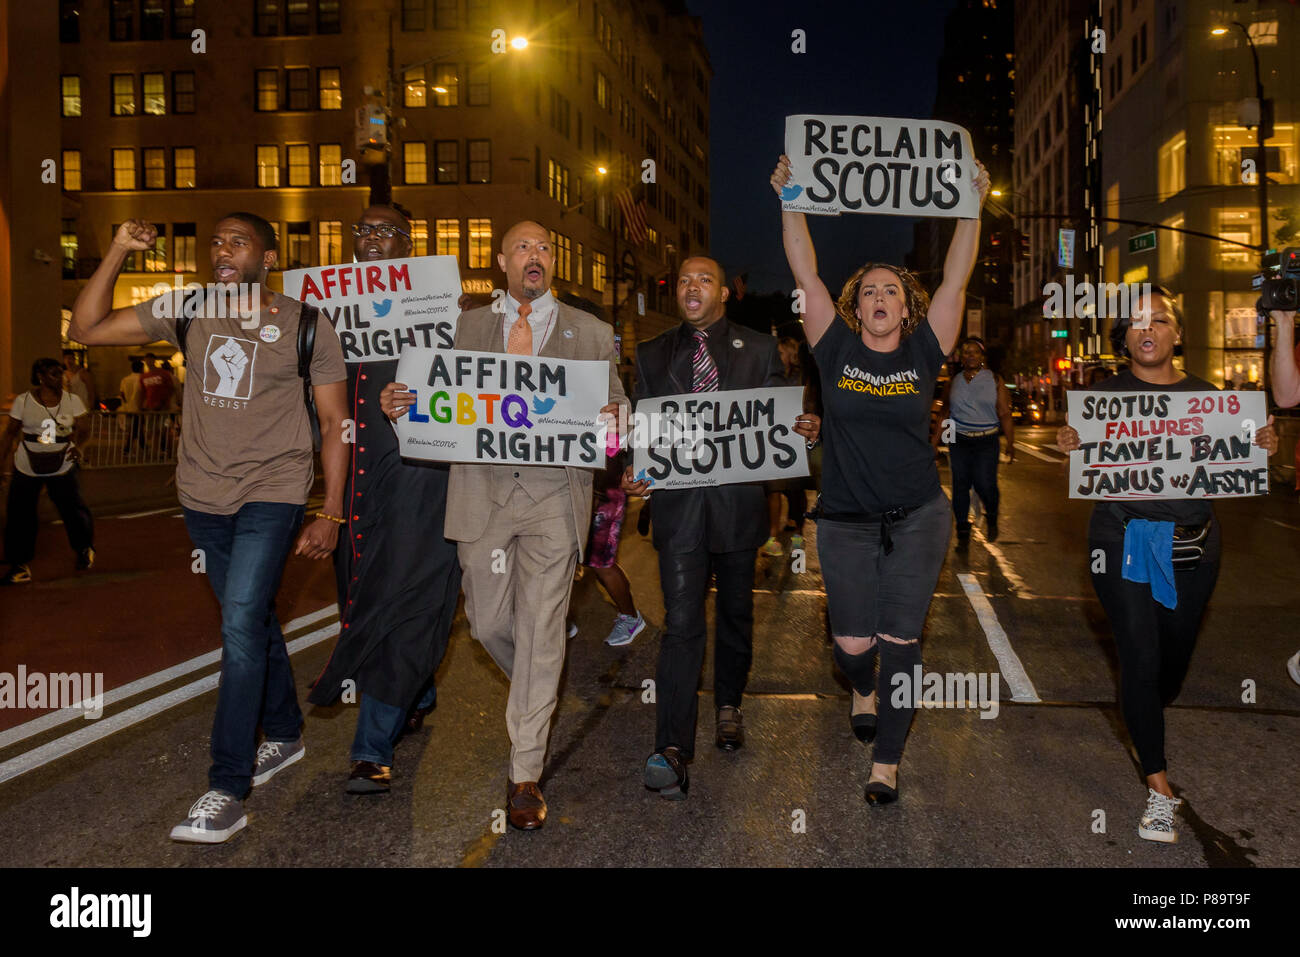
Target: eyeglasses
362	230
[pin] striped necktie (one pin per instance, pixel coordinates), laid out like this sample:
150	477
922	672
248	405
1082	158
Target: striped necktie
704	370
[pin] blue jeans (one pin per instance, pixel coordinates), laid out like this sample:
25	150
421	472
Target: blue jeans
245	555
974	462
379	725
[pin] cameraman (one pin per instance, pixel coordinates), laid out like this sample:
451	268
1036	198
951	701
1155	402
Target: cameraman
1286	392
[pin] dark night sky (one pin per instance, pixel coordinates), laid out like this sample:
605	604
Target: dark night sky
871	58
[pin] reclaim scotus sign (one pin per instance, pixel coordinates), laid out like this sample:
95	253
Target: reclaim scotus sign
489	407
875	164
380	308
1150	445
718	438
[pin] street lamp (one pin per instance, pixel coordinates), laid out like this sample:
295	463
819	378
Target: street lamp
1263	130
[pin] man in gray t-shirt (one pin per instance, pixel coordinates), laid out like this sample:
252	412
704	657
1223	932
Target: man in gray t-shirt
243	474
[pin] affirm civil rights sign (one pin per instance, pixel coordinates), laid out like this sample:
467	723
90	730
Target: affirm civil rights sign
1144	445
878	164
718	438
381	308
493	408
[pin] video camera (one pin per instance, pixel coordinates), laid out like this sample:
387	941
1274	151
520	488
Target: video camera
1278	282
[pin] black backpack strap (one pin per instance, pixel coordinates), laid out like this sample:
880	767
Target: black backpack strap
306	346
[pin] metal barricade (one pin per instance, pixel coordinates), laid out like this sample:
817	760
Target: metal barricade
120	439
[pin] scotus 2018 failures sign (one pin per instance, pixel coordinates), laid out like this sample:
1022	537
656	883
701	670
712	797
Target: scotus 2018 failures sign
878	164
494	408
718	438
1163	445
380	308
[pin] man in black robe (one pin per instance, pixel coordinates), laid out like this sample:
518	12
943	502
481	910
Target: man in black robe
398	578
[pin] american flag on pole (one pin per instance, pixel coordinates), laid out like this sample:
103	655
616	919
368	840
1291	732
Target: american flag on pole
633	211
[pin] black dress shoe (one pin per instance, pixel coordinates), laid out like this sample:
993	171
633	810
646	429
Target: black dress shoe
878	793
864	727
991	532
731	729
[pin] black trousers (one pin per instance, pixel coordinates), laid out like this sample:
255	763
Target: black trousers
974	462
1154	643
65	493
685	580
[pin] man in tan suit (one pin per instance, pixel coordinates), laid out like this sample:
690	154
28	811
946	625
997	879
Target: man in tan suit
536	516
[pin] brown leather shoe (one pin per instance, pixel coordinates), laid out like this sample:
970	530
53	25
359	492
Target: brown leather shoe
369	778
526	808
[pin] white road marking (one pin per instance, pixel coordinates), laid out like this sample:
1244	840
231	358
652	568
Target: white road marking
1031	450
1008	571
1022	689
55	718
156	511
1294	528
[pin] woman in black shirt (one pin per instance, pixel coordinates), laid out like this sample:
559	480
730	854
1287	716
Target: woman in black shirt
885	522
1154	642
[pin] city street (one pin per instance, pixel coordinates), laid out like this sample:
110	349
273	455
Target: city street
1044	780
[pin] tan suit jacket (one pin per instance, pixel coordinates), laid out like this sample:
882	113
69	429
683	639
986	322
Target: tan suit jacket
576	335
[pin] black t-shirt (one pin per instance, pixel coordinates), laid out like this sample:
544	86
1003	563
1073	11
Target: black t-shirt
876	421
1108	517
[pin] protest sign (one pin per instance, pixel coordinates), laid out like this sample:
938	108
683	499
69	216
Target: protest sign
1167	445
495	408
718	438
381	308
878	164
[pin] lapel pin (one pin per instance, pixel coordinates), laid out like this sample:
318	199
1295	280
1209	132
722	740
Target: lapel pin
568	333
737	344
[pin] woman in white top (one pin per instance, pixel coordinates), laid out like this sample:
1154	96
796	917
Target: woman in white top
48	423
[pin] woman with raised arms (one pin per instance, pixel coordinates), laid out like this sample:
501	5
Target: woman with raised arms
885	522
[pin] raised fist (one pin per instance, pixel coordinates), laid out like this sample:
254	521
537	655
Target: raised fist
136	234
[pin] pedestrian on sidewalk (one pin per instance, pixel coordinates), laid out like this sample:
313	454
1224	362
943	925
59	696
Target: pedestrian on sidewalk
243	476
49	424
704	531
130	393
1155	628
536	515
394	627
978	405
884	523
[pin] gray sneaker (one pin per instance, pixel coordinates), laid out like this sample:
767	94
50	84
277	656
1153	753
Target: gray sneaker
1158	820
626	627
214	818
275	756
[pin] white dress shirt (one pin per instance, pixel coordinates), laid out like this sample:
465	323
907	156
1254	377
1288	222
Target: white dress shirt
541	319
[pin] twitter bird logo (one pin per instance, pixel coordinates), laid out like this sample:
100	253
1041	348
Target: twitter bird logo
542	405
791	192
643	477
381	308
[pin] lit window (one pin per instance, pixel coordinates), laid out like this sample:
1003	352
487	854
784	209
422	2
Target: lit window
330	241
1240	226
268	90
72	170
447	158
155	259
123	94
298	247
329	90
599	269
183	167
71	95
446	85
268	166
185	247
155	168
124	169
415	92
415	160
155	93
331	164
447	237
419	237
480	243
299	165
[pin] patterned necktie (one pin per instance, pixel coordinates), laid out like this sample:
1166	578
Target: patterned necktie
520	341
704	369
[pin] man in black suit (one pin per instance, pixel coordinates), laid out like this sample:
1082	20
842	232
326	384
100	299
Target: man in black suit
699	530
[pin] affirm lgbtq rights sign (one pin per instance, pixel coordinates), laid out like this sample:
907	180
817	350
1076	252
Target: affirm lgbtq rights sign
493	408
381	308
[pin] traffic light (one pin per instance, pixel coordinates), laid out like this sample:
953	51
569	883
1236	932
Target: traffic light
1020	246
1062	365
